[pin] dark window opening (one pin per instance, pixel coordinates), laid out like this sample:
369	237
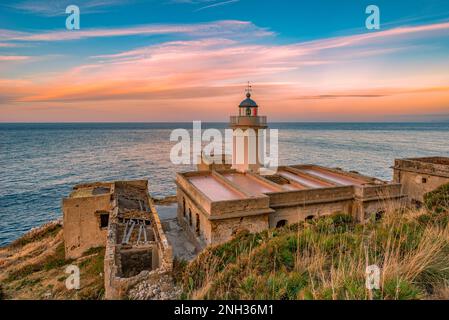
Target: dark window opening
308	218
190	217
184	209
281	223
104	220
424	180
197	227
379	215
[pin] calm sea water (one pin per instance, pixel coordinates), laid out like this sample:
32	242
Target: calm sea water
40	163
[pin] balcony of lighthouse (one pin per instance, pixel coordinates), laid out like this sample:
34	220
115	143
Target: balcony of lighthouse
248	121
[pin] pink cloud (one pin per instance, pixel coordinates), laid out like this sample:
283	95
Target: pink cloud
13	58
205	74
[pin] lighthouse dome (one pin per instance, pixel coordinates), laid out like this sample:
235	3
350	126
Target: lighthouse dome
248	102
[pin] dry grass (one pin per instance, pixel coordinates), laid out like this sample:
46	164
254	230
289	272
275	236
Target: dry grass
327	259
33	267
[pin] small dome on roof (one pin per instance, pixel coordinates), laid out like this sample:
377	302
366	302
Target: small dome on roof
248	102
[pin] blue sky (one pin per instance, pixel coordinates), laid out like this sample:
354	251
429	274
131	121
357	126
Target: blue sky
36	50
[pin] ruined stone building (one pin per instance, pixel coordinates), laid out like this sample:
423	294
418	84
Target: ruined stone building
214	204
419	176
121	217
86	214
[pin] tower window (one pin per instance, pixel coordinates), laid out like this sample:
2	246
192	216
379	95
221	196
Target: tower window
424	180
248	111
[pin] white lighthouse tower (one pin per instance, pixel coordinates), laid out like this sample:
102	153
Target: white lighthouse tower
248	144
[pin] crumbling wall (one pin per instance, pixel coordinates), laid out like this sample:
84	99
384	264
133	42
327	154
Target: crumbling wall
225	230
415	185
82	228
134	262
421	175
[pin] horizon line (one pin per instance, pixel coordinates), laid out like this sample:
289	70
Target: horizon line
165	122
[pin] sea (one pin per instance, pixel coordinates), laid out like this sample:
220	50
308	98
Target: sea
41	162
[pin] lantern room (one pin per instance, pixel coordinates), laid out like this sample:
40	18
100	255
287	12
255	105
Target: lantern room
248	107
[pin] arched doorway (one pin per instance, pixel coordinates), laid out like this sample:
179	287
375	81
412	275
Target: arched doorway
281	223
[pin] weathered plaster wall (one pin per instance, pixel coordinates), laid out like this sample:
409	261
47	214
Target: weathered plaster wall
416	185
299	213
224	230
186	206
81	218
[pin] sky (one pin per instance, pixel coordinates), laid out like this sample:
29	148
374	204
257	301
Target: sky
184	60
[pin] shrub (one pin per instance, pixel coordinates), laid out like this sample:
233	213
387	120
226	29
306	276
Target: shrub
437	201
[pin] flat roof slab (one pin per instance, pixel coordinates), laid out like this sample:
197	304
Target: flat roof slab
333	176
249	184
214	189
308	183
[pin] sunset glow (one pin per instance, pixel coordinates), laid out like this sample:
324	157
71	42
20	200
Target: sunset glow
194	65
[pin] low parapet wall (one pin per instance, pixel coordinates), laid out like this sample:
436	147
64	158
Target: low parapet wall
376	192
164	248
437	166
310	196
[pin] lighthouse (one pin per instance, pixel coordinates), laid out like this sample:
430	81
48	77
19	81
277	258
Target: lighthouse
248	142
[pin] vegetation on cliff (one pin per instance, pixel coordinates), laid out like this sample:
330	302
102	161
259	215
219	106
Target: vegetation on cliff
438	200
321	259
327	259
33	267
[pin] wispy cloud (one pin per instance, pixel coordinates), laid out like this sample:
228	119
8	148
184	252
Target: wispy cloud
375	93
178	67
13	58
57	7
216	4
225	28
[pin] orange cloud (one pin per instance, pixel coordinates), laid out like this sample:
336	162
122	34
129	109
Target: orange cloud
202	78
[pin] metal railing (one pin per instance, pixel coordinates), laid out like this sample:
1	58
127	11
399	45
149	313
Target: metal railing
248	120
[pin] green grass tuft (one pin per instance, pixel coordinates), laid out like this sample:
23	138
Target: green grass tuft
326	259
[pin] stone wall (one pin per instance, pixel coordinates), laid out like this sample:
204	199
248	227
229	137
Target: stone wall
418	178
298	213
217	219
135	260
225	230
188	206
81	218
310	196
127	265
